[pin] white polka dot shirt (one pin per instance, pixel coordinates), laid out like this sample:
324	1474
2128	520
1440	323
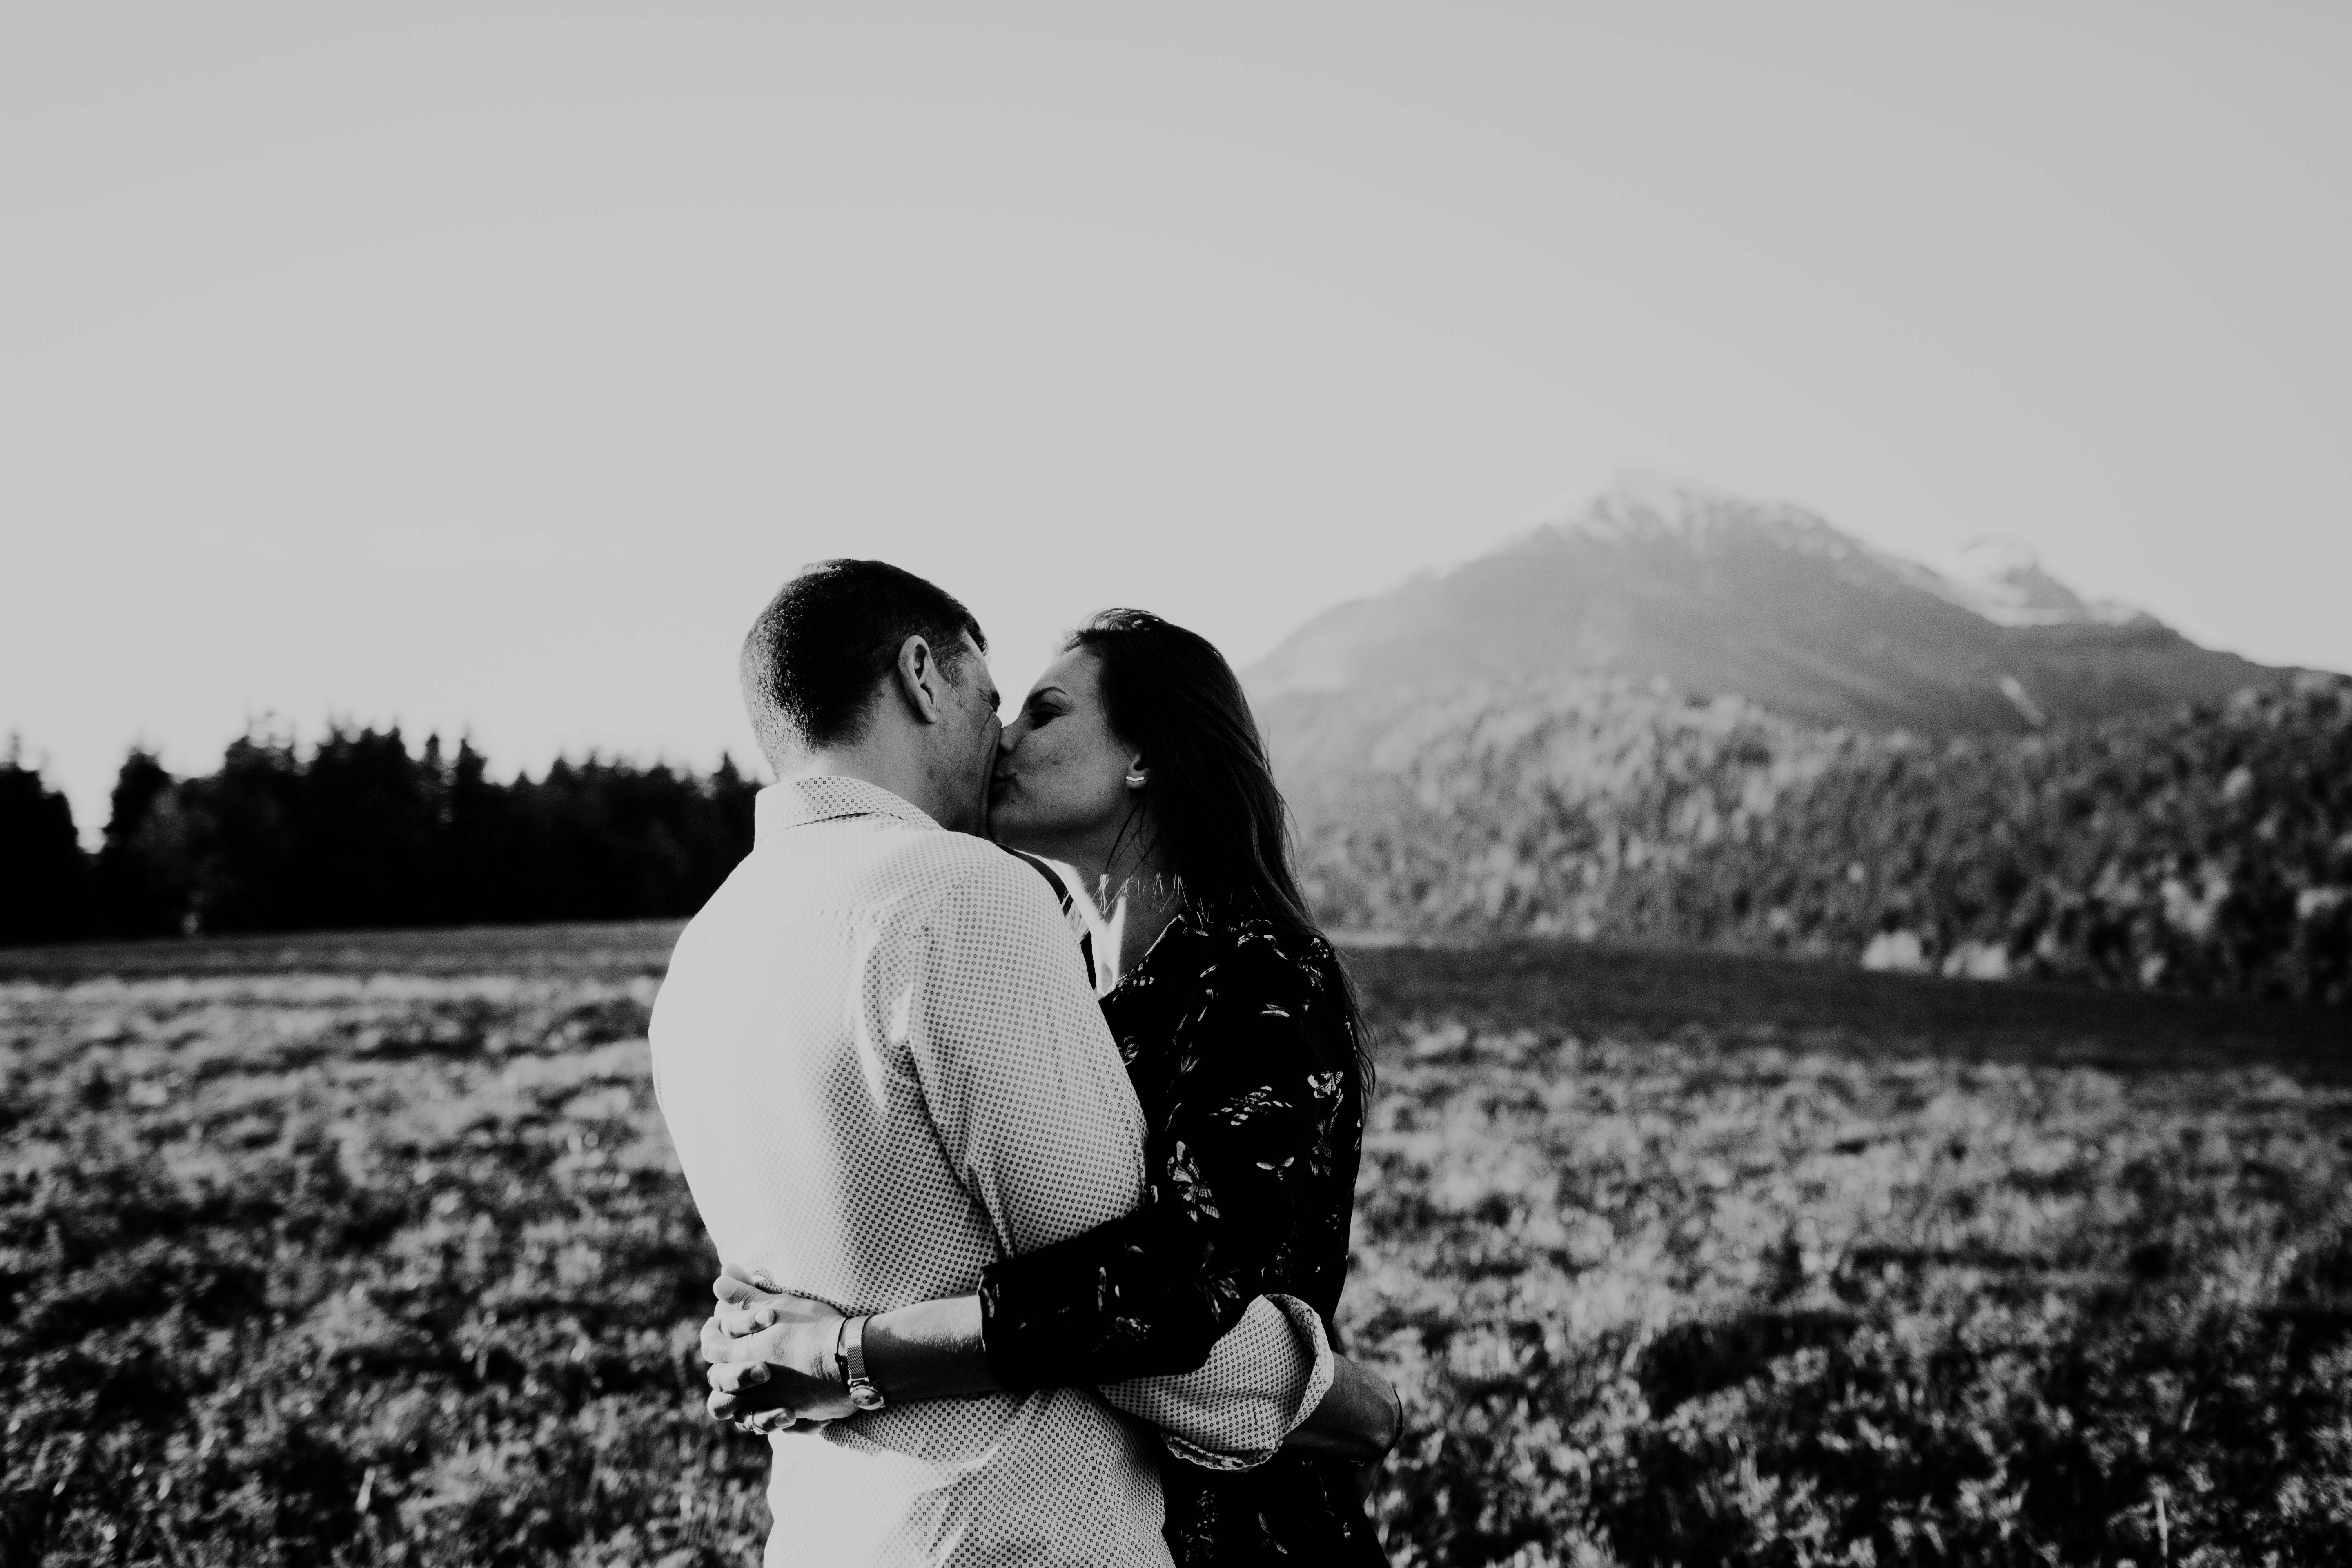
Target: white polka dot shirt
883	1068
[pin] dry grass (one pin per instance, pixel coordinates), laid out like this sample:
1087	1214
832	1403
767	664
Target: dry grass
312	1267
1658	1302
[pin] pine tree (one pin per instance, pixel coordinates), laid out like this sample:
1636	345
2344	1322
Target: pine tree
44	876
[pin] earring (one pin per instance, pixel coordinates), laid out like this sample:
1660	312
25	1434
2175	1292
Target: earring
1134	781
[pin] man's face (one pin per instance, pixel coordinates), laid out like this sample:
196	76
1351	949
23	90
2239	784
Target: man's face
969	745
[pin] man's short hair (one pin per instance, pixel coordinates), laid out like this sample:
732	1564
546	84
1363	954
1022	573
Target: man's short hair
819	651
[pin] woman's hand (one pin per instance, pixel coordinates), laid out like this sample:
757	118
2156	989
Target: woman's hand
771	1355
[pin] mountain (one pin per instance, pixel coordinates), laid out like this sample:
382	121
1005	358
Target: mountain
1684	718
1653	582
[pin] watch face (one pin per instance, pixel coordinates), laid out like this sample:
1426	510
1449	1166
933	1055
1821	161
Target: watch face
865	1397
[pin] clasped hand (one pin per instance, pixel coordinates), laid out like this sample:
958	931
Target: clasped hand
771	1355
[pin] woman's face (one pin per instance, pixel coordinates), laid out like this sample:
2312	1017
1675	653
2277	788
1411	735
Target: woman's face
1060	787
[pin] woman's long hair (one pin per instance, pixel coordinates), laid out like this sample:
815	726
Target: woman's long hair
1221	827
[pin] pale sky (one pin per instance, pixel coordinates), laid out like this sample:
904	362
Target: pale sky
486	367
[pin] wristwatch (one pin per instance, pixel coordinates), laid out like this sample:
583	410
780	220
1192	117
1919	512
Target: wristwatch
849	1357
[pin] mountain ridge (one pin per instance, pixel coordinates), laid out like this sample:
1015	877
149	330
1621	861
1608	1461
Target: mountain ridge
1715	595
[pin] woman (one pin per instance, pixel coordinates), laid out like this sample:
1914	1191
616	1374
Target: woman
1135	761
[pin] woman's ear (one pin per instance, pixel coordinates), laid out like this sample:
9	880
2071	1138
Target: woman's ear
1138	775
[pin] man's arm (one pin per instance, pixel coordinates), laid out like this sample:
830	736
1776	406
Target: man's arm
1230	1414
1024	1086
1271	1381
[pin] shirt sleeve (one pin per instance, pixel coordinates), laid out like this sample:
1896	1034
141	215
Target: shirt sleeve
1263	1379
1260	1084
1017	1068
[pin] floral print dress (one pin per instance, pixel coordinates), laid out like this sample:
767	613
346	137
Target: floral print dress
1238	1041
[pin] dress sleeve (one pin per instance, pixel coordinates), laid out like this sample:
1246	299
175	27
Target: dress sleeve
1261	1064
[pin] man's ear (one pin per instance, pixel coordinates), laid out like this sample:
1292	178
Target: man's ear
919	678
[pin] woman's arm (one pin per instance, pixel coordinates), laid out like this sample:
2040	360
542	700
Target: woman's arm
1243	1151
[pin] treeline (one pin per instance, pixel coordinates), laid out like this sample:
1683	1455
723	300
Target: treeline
360	831
2205	849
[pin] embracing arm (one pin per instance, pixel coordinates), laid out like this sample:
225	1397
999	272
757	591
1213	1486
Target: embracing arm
1241	1164
1271	1381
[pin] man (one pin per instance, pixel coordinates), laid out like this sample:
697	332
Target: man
882	1069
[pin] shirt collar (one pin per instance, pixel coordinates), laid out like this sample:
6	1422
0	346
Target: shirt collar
796	803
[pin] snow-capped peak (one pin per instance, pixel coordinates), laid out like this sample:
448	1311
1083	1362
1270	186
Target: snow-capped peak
2000	579
1645	505
2003	581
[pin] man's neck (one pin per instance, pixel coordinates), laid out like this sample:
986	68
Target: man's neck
885	767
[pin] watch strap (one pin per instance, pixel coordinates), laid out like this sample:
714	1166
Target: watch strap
849	1354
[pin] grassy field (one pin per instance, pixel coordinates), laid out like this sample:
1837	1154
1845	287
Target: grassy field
359	1250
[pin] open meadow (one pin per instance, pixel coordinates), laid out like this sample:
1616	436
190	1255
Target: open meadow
371	1250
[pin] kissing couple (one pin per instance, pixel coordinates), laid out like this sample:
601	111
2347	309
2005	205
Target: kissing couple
1032	1198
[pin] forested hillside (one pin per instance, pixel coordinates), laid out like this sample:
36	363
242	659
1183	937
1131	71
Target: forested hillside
2204	849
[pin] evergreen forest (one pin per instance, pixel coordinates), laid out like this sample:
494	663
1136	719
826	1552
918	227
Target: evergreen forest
359	832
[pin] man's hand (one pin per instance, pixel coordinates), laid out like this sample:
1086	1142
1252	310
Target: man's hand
1359	1420
771	1355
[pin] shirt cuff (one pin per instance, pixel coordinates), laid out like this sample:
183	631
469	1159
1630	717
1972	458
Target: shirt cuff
1261	1381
